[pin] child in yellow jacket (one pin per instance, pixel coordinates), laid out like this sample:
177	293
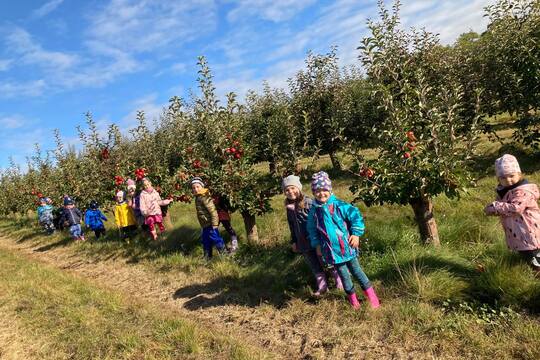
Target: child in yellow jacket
123	215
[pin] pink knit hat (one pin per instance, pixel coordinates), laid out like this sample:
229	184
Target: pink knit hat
506	165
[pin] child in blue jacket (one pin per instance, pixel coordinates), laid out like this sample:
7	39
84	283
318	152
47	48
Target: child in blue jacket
334	228
45	215
93	218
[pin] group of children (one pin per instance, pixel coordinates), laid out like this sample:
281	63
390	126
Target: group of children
325	230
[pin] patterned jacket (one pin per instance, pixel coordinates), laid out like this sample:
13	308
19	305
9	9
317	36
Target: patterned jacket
150	202
520	216
329	226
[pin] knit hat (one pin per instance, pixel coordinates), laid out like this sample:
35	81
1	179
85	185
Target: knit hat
120	195
68	201
197	180
93	205
321	181
506	165
131	184
43	200
291	180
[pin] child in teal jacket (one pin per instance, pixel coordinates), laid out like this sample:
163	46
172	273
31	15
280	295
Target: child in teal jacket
334	228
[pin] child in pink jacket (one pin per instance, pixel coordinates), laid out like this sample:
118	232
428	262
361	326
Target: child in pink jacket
150	203
517	207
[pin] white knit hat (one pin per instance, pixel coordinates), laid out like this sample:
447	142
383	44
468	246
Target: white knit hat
506	165
291	180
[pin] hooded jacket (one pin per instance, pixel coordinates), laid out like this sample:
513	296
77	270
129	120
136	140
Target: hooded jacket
329	226
94	219
206	210
520	216
150	202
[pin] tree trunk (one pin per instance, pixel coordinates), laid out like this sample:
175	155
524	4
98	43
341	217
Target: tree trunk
336	164
272	167
251	227
423	213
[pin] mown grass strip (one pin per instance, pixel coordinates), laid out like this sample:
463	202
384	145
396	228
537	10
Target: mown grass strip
74	319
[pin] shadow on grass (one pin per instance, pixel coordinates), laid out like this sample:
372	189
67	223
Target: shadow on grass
272	278
62	242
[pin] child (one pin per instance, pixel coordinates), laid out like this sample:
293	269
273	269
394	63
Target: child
334	227
208	218
93	218
298	207
517	207
225	219
123	216
71	217
45	215
150	203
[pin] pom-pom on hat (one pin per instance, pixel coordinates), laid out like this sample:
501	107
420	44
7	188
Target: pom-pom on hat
506	165
197	180
131	184
291	180
321	181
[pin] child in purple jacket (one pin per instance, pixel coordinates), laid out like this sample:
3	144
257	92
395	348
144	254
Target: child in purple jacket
298	205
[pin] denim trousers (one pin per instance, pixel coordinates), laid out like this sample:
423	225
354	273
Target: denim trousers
352	266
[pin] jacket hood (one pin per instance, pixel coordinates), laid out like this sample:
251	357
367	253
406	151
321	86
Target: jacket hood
532	188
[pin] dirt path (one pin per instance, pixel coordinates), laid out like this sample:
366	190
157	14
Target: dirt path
263	326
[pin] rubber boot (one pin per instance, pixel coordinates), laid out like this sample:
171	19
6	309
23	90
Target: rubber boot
353	300
234	244
337	278
372	297
322	285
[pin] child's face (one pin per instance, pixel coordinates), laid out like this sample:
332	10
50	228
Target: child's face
196	188
70	206
321	195
292	192
147	184
510	179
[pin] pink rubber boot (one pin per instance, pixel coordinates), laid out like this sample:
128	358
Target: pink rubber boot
322	285
353	300
337	278
372	297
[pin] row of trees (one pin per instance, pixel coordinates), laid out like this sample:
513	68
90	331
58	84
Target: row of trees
419	104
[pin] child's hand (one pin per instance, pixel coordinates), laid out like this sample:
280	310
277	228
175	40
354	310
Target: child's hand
318	250
354	241
294	248
490	209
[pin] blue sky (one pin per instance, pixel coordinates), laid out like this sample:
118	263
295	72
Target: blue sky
62	58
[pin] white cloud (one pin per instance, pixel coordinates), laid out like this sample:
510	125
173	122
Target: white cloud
5	64
16	89
30	52
152	111
47	8
272	10
12	122
143	26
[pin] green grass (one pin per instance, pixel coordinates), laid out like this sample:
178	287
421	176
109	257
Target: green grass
71	318
470	298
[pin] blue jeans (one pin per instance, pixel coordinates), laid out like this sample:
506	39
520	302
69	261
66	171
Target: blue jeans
75	231
210	237
354	267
